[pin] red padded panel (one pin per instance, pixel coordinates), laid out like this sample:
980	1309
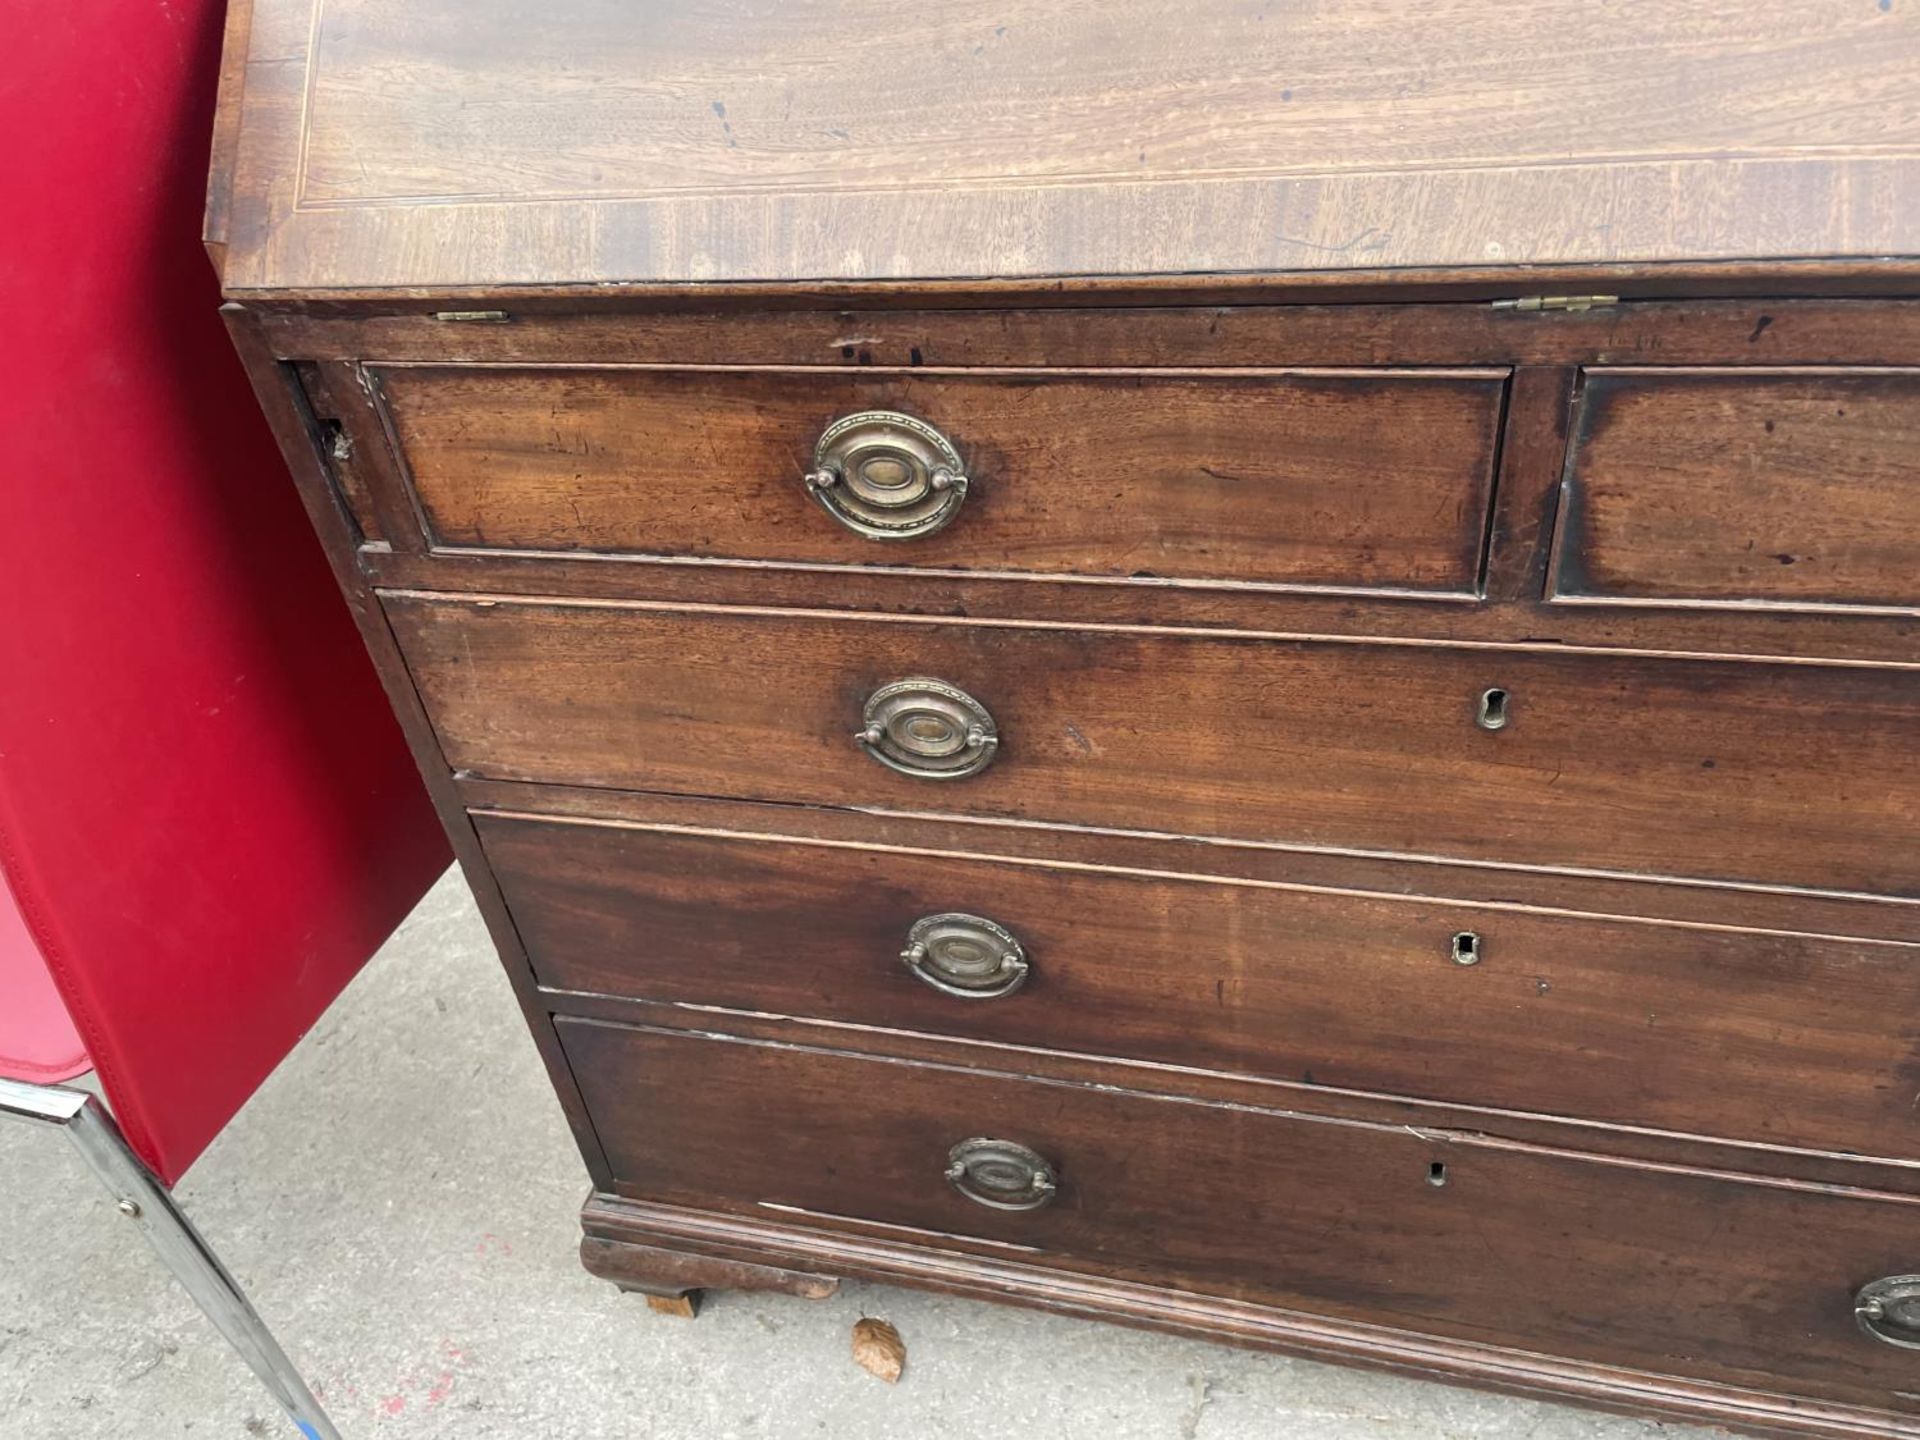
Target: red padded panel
37	1039
206	810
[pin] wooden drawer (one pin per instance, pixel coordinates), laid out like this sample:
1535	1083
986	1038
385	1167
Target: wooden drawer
1352	479
1792	487
1794	774
1664	1269
1647	1024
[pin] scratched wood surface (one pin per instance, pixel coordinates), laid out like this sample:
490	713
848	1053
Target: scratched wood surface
1608	1019
1711	770
1375	479
1786	486
1242	804
394	144
1692	1272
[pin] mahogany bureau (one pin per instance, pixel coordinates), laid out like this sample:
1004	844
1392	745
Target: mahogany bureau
1249	667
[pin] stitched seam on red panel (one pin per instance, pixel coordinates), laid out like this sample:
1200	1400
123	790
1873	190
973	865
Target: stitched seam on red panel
128	1112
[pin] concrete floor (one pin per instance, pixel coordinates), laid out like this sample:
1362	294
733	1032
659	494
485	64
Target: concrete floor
400	1199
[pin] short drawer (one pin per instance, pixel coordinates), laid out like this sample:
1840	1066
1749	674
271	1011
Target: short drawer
1616	1020
1671	1270
1795	774
1789	487
1349	479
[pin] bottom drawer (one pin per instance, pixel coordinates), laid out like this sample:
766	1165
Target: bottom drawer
1688	1273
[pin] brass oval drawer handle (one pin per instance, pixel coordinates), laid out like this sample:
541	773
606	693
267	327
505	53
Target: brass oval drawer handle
929	729
1888	1309
887	476
967	956
1001	1175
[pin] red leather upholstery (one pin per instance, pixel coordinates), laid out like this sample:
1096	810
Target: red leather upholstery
37	1038
207	814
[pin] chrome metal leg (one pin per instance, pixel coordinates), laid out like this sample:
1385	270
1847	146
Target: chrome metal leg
145	1201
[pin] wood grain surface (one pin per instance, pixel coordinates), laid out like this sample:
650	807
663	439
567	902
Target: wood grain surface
980	1272
1776	774
1184	330
1731	486
1658	1025
457	450
1345	479
547	306
1817	914
414	144
1684	1272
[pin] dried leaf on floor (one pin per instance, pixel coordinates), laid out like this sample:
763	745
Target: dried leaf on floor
879	1350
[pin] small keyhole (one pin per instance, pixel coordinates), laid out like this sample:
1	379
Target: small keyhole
1466	948
1493	709
1437	1173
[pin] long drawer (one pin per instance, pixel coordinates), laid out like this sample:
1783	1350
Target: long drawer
1790	774
1615	1020
1354	479
1675	1271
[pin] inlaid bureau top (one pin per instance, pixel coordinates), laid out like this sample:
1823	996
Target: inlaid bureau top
433	144
1250	666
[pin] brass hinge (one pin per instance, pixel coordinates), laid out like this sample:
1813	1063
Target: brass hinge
473	317
1558	302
